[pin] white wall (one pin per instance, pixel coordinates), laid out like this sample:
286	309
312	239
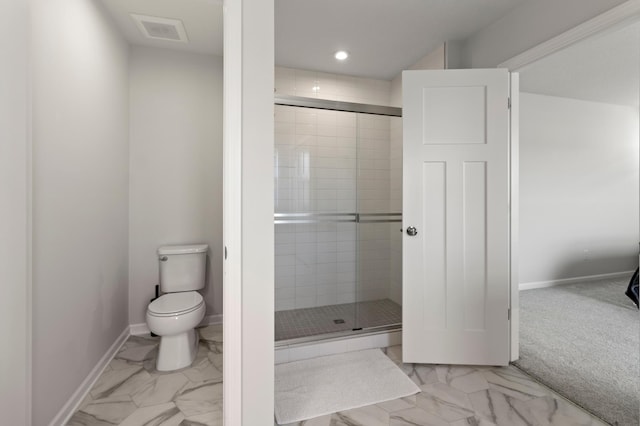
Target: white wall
336	87
80	195
15	316
434	60
578	188
526	26
176	167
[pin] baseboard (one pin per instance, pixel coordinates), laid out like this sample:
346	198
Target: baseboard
64	415
142	328
565	281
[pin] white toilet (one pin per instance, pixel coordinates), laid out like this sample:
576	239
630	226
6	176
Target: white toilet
174	315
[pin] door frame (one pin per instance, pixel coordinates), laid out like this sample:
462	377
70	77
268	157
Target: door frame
514	216
248	233
610	20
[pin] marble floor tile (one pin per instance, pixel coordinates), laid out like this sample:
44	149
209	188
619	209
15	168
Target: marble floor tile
110	411
465	379
420	374
81	418
445	402
370	415
158	415
216	360
120	382
212	333
131	392
512	382
215	347
398	404
119	364
501	409
133	341
317	421
138	353
200	398
203	371
394	353
159	389
213	418
472	421
551	411
415	417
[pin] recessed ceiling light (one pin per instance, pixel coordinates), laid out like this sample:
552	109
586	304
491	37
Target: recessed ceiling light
341	55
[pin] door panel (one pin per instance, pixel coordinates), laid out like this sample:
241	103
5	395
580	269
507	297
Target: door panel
456	193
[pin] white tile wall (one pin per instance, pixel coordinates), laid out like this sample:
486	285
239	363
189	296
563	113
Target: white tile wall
330	161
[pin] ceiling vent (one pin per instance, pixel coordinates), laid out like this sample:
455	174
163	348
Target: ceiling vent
161	28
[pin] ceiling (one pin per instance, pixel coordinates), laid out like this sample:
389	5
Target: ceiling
202	20
603	68
383	36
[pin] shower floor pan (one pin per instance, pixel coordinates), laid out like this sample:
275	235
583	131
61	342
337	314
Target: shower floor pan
298	323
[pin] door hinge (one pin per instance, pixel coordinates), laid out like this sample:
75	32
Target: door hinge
509	314
508	103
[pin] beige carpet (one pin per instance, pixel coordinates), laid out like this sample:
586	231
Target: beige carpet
582	341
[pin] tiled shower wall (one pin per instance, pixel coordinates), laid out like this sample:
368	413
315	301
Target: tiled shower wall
317	171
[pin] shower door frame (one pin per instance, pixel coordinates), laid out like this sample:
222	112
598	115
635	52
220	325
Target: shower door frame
355	217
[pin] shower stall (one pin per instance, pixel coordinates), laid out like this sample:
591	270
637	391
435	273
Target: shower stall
338	201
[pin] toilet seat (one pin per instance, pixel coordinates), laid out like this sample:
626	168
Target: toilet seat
172	304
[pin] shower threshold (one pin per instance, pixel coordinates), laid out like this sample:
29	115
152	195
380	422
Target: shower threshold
302	341
335	321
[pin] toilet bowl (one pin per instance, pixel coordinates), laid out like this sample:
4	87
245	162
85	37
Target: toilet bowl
173	317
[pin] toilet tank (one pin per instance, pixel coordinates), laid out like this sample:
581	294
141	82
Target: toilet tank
182	268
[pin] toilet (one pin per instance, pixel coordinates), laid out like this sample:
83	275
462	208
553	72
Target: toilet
174	315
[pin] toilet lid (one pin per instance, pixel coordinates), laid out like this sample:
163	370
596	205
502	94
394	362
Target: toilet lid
176	303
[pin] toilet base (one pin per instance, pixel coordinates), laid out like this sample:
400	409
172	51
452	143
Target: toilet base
177	351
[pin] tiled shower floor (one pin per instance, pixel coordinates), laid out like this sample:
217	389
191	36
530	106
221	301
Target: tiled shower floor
296	323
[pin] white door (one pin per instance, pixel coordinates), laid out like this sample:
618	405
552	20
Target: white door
456	196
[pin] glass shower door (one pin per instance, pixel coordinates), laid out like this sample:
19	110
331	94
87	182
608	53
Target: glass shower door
315	168
379	206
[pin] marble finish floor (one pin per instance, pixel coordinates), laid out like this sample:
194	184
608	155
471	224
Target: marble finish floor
131	392
461	396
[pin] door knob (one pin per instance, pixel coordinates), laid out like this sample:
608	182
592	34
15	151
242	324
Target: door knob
412	231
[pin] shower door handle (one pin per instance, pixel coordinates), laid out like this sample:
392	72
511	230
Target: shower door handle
412	231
